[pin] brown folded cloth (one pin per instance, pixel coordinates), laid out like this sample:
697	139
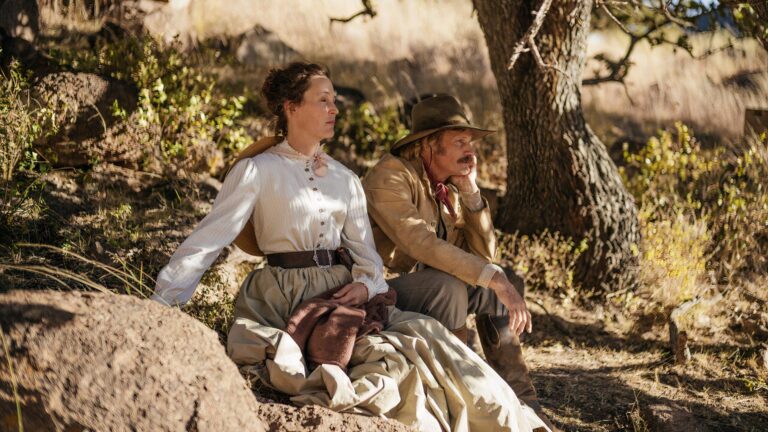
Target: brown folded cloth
326	331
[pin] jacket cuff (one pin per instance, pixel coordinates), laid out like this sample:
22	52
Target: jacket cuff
473	201
489	271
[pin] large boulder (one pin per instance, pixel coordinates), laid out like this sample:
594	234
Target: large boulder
92	361
262	47
88	132
20	19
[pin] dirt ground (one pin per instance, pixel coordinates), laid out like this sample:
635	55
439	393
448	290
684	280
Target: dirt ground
593	375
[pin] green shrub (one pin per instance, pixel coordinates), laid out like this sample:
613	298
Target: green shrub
22	122
364	134
173	95
546	261
674	179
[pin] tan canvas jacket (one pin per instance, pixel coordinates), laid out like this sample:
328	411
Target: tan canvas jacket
404	218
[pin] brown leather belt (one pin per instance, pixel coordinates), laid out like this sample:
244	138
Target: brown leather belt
321	257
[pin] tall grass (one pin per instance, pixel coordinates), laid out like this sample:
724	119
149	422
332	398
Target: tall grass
16	397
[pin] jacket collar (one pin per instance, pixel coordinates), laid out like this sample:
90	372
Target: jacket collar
418	167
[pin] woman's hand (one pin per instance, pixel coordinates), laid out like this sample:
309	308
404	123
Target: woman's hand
352	294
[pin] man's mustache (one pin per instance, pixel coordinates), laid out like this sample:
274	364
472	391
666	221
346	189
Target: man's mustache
466	159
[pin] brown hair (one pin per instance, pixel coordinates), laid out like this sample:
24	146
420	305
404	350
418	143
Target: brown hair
287	84
412	151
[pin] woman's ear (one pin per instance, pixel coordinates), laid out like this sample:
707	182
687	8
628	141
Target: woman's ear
289	107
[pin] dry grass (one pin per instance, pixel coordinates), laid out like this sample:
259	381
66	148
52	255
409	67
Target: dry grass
673	255
442	39
666	85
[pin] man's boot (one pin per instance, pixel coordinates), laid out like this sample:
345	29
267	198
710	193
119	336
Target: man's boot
461	333
505	355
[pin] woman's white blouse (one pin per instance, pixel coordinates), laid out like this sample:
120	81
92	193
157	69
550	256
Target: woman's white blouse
292	209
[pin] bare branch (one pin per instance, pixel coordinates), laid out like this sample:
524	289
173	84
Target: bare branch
613	17
540	61
711	51
530	33
367	10
664	7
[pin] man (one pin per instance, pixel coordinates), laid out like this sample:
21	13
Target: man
427	214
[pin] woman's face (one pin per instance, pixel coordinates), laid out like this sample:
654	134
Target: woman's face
315	116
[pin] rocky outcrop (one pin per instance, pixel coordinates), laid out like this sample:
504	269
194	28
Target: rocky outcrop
91	361
88	132
94	361
262	47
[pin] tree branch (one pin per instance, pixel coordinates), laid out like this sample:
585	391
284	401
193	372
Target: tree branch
367	10
540	61
618	70
530	34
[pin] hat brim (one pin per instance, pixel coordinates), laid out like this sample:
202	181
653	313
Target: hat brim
477	133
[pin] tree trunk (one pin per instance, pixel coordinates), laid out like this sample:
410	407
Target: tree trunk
560	177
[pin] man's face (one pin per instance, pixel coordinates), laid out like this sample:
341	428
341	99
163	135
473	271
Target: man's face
453	154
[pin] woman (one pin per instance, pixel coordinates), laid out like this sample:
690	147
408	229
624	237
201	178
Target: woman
303	205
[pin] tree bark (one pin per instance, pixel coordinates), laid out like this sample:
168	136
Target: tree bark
560	177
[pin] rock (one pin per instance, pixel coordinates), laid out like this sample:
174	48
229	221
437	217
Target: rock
93	361
348	97
88	132
755	121
671	417
286	418
261	47
20	19
171	21
112	362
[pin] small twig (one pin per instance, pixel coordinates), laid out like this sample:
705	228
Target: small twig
16	397
530	34
614	19
665	10
103	122
540	61
712	51
367	10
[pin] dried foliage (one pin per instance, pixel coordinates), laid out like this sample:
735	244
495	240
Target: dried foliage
712	202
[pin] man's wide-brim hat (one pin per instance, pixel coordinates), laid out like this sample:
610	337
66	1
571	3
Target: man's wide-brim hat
435	114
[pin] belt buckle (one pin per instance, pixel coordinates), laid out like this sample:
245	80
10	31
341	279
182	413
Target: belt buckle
316	259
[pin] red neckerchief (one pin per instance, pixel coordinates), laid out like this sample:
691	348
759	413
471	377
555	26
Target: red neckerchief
440	190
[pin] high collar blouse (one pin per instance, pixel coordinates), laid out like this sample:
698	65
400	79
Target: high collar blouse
292	209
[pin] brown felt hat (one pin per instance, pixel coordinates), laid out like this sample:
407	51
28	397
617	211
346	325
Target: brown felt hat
435	114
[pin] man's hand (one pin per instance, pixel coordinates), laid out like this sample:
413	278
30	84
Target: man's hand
352	294
519	316
468	182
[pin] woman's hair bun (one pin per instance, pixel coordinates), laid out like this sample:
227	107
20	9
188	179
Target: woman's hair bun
287	84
